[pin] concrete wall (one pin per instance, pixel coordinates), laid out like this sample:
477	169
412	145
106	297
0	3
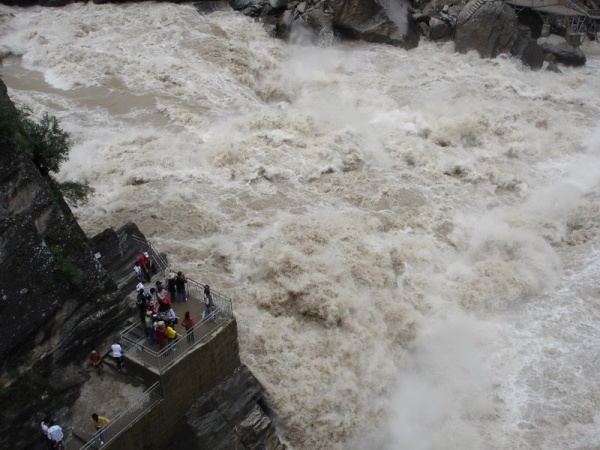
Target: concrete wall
194	375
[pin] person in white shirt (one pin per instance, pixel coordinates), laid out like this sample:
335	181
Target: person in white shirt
117	353
55	434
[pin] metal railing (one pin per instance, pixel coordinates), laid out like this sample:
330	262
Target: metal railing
221	301
125	419
133	338
147	246
134	341
571	4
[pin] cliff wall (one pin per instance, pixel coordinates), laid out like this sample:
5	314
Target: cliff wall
56	301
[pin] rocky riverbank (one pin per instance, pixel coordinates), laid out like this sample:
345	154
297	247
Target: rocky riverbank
491	28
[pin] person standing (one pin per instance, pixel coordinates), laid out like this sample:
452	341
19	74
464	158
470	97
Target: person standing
117	353
144	263
139	273
99	422
149	327
180	282
55	434
189	324
172	337
171	287
210	306
161	334
141	304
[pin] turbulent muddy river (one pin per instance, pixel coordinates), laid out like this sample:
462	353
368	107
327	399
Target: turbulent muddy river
410	238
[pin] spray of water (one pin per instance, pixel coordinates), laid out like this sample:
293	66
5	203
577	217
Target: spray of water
410	237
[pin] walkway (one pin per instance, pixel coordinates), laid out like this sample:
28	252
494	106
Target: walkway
568	8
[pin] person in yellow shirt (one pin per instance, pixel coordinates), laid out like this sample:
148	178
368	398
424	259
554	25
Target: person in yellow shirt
172	337
99	422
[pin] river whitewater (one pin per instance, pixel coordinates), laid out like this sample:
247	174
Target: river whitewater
411	238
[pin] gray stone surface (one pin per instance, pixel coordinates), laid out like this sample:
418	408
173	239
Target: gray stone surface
232	415
490	28
563	52
370	21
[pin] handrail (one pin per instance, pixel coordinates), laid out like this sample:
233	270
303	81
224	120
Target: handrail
133	337
133	341
122	421
147	246
575	5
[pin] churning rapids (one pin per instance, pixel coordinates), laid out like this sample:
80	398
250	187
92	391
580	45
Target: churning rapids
411	238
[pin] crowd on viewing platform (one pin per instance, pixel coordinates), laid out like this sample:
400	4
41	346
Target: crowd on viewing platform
174	315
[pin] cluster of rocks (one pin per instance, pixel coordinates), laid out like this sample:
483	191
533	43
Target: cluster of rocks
386	21
491	27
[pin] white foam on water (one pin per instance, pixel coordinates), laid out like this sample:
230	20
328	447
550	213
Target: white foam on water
410	237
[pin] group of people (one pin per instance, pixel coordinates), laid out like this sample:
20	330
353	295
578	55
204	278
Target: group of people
54	433
97	361
157	316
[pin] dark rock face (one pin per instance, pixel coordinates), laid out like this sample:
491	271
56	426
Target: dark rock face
439	29
565	53
490	28
118	250
552	67
207	7
385	21
56	300
531	54
232	415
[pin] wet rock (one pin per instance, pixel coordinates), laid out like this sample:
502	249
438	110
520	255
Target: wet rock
564	53
490	28
370	21
284	25
532	55
207	7
439	30
235	414
118	250
552	67
247	5
278	4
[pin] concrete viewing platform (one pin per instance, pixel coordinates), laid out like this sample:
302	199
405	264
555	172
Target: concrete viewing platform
134	399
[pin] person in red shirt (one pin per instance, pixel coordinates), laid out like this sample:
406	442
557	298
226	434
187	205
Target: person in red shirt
144	261
189	323
96	360
161	335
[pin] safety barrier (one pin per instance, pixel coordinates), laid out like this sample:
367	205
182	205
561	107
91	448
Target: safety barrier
125	419
137	348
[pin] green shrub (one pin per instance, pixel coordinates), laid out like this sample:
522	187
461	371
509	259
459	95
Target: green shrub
47	145
65	271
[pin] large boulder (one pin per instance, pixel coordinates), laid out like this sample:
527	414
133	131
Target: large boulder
488	27
564	53
530	53
234	414
439	29
386	21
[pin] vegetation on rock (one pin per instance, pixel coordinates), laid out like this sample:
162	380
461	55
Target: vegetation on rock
47	145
